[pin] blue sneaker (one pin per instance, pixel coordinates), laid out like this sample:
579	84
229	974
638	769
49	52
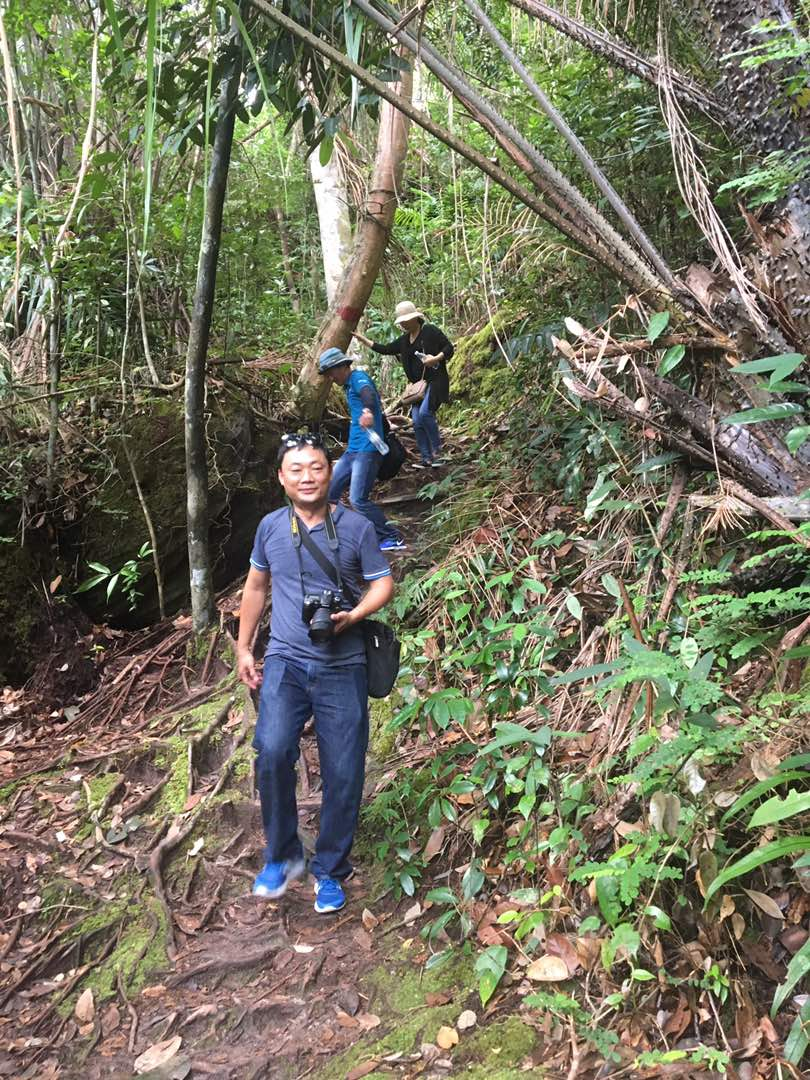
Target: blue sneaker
329	895
391	544
272	882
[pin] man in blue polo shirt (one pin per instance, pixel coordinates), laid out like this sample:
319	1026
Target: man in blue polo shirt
307	674
357	469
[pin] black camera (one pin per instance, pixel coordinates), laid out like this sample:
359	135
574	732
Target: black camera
318	610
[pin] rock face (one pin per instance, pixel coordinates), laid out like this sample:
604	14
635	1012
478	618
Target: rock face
106	525
242	485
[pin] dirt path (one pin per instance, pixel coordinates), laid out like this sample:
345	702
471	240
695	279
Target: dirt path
129	838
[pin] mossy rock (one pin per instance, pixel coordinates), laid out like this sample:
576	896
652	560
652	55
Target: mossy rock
242	488
22	610
478	363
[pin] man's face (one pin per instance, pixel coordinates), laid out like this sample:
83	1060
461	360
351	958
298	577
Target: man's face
340	374
305	474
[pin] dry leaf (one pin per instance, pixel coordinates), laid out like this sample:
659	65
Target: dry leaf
446	1037
192	801
158	1054
548	969
738	925
55	584
110	1019
301	947
764	763
412	914
367	1021
438	997
85	1007
434	844
153	991
764	902
727	907
363	1070
467	1020
559	945
724	799
369	919
345	1020
793	938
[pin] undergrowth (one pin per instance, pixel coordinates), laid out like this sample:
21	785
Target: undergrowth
621	795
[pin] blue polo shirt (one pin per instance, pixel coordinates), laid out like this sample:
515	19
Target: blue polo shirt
358	440
360	561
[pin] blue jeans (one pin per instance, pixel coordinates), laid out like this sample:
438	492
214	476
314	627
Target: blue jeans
426	429
338	699
357	470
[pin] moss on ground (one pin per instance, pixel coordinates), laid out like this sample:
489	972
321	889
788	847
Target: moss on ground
496	1051
396	992
100	787
139	952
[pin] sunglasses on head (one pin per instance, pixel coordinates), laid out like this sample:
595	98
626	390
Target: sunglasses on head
308	438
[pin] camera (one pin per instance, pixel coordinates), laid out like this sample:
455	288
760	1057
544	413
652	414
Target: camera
318	610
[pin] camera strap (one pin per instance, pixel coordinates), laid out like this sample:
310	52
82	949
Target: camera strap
300	535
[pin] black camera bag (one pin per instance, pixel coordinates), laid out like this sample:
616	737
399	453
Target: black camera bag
395	458
382	645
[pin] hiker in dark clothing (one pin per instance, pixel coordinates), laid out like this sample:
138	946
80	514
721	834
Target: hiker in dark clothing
434	349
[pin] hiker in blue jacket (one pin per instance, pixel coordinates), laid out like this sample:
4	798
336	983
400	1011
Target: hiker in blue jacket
357	469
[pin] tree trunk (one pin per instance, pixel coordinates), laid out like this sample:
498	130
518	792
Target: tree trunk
371	238
289	275
770	120
332	202
199	558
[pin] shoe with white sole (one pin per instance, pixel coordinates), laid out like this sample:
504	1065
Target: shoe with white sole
329	895
273	880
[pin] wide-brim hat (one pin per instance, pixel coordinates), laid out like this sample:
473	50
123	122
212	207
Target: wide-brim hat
332	358
405	310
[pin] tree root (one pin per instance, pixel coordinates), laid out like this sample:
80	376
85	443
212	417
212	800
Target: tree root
223	965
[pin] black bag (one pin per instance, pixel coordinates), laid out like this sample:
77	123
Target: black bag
394	459
382	657
382	646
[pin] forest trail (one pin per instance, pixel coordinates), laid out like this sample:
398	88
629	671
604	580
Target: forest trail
155	757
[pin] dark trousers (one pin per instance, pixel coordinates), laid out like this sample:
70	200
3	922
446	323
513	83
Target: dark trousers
338	699
357	471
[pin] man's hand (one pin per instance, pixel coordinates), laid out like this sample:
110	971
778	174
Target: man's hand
246	668
343	620
366	418
432	361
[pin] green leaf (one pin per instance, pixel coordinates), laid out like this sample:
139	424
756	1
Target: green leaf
660	461
473	881
777	849
441	896
778	411
112	18
671	358
779	366
510	734
797	437
574	606
611	586
607	896
754	792
661	921
111	584
776	809
689	652
798	967
437	959
799	1036
657	325
100	568
489	967
407	883
578	674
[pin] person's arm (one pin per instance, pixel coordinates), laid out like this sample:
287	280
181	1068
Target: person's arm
254	595
362	339
442	345
392	348
376	596
368	399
